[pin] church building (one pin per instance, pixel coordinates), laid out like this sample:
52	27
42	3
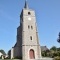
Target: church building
27	46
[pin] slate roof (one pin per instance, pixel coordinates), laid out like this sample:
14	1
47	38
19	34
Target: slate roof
44	48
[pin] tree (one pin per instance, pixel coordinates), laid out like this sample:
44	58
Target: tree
54	52
58	40
53	48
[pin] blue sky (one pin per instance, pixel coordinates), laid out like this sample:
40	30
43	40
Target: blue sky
47	17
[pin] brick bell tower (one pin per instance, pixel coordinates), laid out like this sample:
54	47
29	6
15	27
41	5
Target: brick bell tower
27	45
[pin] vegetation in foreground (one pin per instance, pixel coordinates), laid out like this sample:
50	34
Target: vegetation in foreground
53	53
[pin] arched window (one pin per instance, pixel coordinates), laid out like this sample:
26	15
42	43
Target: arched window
32	54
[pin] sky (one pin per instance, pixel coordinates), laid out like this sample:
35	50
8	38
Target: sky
47	18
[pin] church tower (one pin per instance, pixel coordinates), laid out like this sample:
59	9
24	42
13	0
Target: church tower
30	42
27	46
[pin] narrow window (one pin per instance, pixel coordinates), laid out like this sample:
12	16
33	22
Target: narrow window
30	37
29	13
31	27
28	27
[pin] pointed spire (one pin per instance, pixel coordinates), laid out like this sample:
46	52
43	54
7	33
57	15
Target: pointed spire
26	5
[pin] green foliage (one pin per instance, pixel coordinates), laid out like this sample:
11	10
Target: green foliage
57	58
53	48
46	53
58	49
54	53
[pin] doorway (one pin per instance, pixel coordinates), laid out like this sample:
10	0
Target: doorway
32	54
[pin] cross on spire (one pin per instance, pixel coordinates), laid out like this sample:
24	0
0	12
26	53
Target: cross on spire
26	5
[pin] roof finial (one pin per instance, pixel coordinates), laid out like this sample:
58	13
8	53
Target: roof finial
26	5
